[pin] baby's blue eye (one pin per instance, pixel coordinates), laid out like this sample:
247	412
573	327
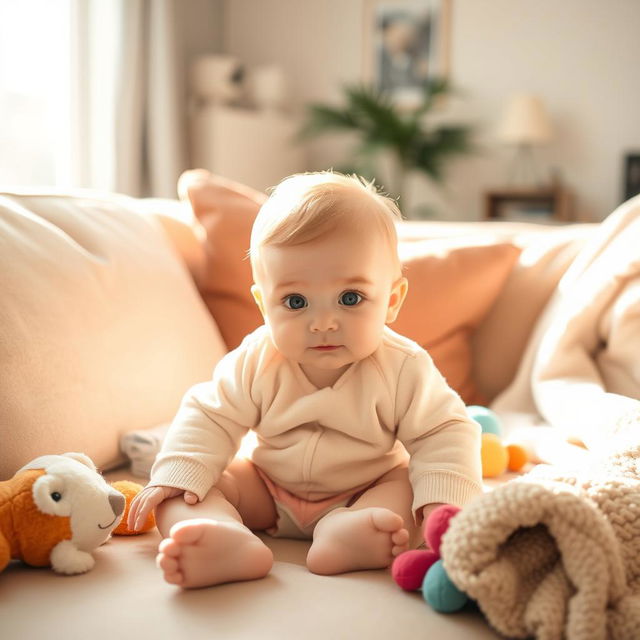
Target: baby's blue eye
350	298
295	301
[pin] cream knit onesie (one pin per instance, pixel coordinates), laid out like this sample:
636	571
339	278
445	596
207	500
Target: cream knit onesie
317	443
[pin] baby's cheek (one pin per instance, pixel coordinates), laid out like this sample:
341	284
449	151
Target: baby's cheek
286	334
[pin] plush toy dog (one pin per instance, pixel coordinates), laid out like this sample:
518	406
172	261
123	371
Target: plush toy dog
55	511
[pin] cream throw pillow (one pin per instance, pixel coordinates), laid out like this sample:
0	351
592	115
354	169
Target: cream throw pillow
101	328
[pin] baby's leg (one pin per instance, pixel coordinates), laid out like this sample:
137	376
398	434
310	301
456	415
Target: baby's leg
212	541
368	534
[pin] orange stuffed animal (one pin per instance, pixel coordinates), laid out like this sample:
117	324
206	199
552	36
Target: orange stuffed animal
55	511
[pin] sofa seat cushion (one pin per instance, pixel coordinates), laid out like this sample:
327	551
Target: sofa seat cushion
101	328
124	596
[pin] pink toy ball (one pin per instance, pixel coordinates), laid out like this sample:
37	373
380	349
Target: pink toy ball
409	568
436	525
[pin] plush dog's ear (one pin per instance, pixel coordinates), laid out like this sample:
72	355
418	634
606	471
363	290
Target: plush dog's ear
50	495
81	457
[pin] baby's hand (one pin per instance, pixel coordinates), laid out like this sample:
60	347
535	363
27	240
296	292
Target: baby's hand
149	498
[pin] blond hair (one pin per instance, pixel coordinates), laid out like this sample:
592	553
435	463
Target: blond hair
308	206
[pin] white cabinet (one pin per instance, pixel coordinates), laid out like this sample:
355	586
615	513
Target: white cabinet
257	148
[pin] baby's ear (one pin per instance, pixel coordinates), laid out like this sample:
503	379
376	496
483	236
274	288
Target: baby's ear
256	292
398	294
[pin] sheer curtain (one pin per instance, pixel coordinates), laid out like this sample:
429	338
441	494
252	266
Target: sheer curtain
127	113
34	92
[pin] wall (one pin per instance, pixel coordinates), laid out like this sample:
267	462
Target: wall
199	31
580	56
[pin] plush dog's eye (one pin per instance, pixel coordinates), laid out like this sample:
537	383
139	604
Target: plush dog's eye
56	497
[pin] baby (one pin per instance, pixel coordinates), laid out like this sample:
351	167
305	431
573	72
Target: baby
359	436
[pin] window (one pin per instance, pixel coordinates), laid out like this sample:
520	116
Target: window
34	92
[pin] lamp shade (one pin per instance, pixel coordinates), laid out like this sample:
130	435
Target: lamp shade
525	121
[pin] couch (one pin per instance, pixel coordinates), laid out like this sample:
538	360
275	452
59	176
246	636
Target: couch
111	307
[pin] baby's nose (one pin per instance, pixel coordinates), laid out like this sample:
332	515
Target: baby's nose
324	321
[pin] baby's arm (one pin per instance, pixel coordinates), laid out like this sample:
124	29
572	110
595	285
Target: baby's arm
442	441
428	508
204	436
148	499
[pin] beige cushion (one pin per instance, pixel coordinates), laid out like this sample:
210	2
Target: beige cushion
124	596
501	339
101	328
546	251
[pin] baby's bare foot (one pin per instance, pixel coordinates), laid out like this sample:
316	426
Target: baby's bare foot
348	540
201	553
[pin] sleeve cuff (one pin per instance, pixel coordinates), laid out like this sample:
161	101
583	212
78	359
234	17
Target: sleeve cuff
184	474
447	487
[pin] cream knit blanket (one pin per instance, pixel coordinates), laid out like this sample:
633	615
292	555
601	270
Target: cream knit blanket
555	556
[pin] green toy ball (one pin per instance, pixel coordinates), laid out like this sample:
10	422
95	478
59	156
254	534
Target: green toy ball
440	592
487	419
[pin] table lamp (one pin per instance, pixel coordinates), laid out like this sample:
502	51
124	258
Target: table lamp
525	124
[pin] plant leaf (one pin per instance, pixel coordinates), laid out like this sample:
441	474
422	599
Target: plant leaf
381	126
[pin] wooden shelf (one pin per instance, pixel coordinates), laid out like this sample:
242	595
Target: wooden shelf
529	205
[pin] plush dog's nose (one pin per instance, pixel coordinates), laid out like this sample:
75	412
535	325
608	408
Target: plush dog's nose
116	500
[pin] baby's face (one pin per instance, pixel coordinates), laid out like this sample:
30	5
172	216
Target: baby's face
326	302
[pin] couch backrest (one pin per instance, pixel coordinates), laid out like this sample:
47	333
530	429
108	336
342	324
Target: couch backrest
101	328
501	339
498	342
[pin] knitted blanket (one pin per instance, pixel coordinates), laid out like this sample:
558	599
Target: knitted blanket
555	555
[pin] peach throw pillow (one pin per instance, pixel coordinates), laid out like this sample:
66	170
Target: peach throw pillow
452	283
226	211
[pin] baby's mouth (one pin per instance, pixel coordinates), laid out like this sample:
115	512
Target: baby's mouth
326	347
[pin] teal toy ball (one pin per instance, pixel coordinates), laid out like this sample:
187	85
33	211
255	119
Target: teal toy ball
487	419
440	592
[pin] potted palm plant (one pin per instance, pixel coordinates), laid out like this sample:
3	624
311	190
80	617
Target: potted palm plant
382	126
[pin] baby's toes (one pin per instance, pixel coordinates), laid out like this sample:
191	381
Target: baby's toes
400	542
386	520
400	537
190	532
167	563
170	547
176	578
170	568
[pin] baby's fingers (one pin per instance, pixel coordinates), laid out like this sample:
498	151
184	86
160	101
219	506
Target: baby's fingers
133	511
190	498
142	505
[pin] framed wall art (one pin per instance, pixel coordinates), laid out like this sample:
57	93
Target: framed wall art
631	175
406	42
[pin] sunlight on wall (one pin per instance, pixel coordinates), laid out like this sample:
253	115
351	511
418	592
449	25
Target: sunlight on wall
34	91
